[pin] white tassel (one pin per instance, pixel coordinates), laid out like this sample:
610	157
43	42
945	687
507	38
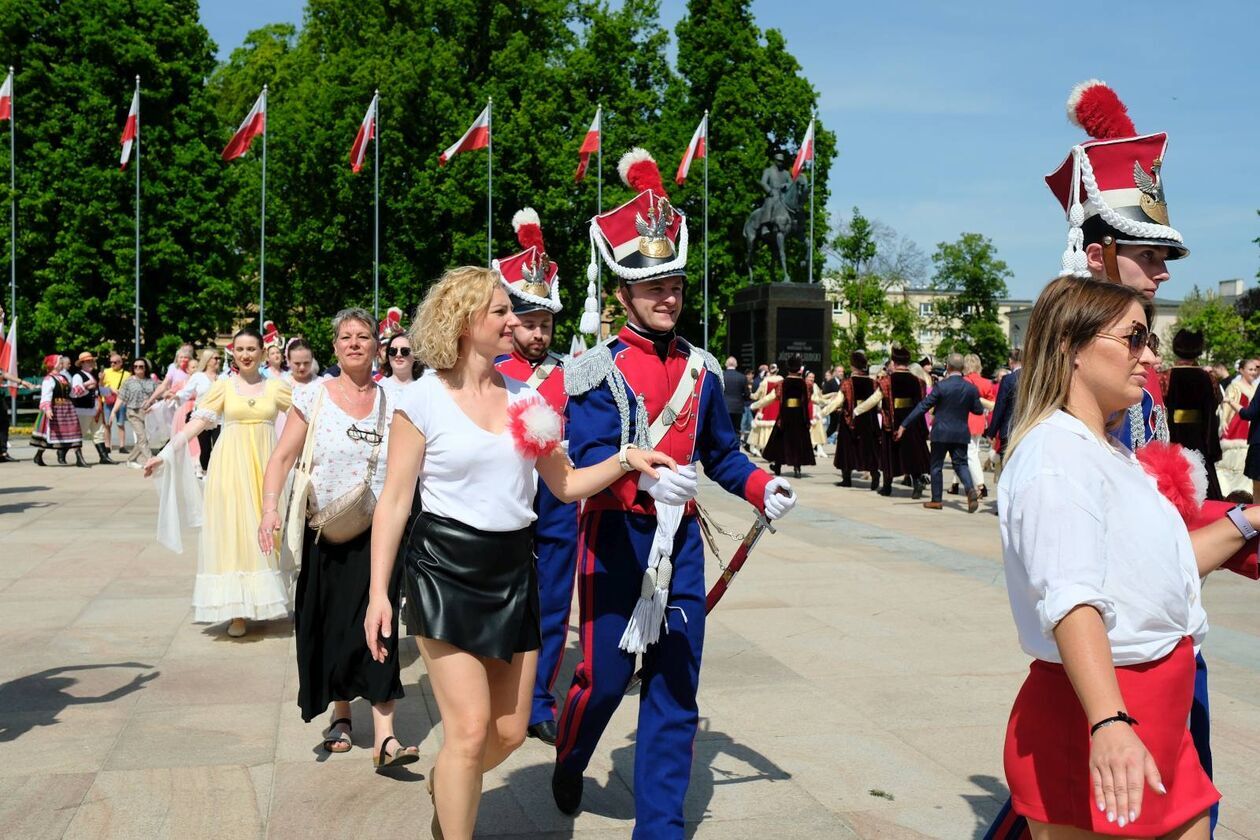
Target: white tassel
590	314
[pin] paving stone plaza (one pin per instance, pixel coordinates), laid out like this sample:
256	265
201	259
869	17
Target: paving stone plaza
856	683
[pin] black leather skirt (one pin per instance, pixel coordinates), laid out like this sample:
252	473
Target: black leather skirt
476	590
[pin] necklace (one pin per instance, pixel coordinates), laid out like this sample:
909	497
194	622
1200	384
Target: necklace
361	391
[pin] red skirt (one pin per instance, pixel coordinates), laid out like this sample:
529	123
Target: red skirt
1047	747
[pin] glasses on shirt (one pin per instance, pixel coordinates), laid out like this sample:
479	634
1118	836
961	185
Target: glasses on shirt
1138	340
399	351
369	436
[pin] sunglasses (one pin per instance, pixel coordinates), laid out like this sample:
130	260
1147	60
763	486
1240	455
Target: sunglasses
399	351
1138	340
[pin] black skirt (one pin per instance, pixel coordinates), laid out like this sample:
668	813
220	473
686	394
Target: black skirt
1251	468
476	590
329	608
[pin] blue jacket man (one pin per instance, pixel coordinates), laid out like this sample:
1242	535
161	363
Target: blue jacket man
641	585
951	401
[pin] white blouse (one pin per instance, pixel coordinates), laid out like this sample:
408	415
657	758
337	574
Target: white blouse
339	462
196	387
469	474
1082	523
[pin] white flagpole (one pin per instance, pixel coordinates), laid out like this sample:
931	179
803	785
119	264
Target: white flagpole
489	184
262	225
12	224
136	342
812	156
599	208
376	220
707	149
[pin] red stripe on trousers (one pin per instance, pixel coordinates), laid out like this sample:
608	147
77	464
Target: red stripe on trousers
575	703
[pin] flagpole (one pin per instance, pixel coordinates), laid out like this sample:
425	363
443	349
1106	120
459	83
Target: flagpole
812	156
136	348
489	183
12	226
376	220
707	149
599	209
262	224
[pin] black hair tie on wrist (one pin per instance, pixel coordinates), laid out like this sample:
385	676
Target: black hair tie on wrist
1118	717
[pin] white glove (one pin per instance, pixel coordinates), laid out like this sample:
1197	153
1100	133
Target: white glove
777	505
671	488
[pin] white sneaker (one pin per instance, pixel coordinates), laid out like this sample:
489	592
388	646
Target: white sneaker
135	465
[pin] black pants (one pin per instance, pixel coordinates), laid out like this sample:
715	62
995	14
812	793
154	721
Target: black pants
4	420
736	421
958	455
206	440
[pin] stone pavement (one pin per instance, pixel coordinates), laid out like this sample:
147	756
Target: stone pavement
856	683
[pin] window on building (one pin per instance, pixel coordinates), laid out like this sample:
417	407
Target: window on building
926	335
925	309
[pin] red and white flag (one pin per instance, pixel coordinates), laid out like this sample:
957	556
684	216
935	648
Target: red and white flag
8	353
6	97
367	131
131	129
806	152
476	137
255	123
696	149
590	145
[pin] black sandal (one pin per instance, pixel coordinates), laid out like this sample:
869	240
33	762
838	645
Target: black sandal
337	739
402	756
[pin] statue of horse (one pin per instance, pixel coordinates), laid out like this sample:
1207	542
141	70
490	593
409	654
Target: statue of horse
773	222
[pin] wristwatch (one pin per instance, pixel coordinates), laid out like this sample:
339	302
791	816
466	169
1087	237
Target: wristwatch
1239	519
623	461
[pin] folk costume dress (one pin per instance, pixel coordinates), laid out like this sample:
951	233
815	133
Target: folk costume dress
1231	471
857	443
789	443
765	406
234	578
533	284
57	426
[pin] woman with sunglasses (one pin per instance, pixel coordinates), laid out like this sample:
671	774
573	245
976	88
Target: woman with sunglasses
401	365
348	419
1104	585
133	395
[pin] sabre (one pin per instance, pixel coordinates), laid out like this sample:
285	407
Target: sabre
759	527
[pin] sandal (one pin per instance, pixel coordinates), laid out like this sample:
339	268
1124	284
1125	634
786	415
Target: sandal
402	755
338	742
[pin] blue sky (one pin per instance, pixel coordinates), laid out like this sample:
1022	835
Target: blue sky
949	114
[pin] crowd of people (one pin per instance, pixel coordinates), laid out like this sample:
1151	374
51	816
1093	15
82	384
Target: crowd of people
462	477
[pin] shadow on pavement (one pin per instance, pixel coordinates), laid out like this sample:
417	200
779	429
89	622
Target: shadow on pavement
32	489
985	805
37	699
18	507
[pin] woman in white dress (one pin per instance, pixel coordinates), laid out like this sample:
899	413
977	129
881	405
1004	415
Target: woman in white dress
473	439
197	386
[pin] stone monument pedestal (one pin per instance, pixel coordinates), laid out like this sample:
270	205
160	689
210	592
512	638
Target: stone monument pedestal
769	322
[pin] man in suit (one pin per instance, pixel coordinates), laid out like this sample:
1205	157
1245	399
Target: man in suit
999	428
830	387
735	392
952	400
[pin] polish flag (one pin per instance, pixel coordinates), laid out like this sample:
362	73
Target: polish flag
590	145
255	123
6	97
8	353
806	152
476	137
696	149
367	131
131	129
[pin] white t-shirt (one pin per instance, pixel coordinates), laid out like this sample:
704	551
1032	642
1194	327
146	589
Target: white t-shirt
1083	523
391	384
196	387
340	462
469	475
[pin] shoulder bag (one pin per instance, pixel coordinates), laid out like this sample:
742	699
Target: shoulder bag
299	489
350	514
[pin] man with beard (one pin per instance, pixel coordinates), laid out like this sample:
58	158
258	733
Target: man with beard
533	285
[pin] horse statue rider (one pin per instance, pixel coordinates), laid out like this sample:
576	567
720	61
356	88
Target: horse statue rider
778	216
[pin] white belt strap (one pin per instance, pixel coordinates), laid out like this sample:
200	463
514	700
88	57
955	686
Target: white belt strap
540	374
678	400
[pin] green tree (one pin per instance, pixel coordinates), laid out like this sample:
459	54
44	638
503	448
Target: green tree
76	62
968	319
759	102
1224	330
861	292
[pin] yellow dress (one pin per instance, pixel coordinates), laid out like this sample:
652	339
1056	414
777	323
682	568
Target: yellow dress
234	578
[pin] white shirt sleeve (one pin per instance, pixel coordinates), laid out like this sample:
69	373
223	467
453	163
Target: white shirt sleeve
414	403
46	390
1060	540
304	398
